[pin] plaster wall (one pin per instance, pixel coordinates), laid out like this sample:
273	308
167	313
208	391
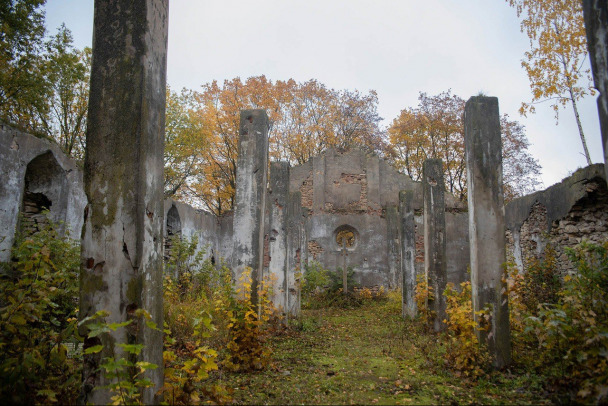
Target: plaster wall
560	216
64	187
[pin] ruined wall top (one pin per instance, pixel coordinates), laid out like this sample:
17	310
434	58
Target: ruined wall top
354	182
558	199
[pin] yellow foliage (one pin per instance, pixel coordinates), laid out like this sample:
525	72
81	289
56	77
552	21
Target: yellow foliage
305	119
466	356
424	293
558	48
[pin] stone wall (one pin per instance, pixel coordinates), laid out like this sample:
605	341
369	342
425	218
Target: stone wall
360	190
36	175
334	190
562	216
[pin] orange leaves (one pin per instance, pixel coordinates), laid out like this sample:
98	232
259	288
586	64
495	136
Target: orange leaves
558	48
434	129
305	119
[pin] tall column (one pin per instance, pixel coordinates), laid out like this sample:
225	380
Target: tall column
483	148
250	197
393	248
295	242
277	268
121	252
408	253
596	24
434	238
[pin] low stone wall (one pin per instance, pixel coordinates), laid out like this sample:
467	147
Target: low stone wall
35	175
562	216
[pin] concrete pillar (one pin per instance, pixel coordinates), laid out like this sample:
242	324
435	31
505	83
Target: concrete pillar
483	148
250	197
122	263
408	253
435	267
393	247
596	24
277	268
318	184
295	254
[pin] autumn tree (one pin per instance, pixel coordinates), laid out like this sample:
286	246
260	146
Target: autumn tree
186	142
435	129
23	89
305	119
44	82
558	49
67	72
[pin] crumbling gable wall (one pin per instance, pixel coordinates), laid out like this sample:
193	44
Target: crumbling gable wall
362	191
35	175
562	216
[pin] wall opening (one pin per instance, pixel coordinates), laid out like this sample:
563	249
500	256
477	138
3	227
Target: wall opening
45	189
173	230
346	236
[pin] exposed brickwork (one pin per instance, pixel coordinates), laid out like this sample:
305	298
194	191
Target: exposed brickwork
314	249
306	190
358	207
298	259
266	251
32	215
533	234
419	247
587	219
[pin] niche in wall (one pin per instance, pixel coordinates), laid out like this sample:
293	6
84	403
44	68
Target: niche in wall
45	189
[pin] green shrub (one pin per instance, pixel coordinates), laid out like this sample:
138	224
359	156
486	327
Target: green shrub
466	355
573	333
38	313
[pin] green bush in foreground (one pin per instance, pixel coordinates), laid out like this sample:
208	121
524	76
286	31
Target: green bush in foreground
38	314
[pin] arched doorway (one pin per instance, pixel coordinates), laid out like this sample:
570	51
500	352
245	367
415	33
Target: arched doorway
45	189
173	229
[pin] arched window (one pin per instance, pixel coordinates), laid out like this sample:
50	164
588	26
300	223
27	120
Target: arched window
174	223
173	230
45	188
346	236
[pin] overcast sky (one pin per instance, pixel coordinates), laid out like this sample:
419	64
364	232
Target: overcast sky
395	47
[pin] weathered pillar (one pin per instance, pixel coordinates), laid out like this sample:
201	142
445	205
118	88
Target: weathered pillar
121	252
250	197
295	241
408	253
277	269
596	24
434	238
483	148
393	249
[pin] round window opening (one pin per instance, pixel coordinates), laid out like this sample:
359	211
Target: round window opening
346	237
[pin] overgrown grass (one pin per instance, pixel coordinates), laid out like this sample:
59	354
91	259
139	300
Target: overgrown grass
343	349
370	355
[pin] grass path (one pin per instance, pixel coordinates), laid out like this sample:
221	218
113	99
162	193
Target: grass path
369	355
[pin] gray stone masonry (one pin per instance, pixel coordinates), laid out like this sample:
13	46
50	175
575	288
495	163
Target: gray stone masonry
122	239
596	24
408	253
250	198
35	165
483	151
277	268
296	249
435	267
561	216
393	246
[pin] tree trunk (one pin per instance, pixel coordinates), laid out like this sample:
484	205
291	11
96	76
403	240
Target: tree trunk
580	127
